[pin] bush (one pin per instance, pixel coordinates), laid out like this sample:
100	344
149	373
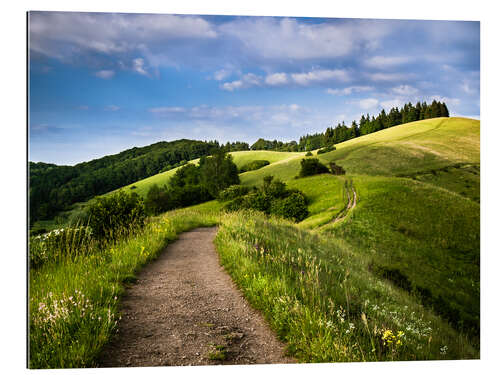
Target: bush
309	153
112	215
272	197
254	165
189	195
336	169
293	207
234	205
157	201
326	149
310	167
257	201
232	192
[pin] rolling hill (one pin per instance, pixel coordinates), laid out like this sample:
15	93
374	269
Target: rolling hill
416	222
396	279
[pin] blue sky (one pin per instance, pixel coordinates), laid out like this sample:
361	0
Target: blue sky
102	82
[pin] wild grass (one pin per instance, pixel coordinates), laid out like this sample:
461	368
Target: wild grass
320	297
285	170
74	301
463	179
408	148
422	238
326	197
398	279
240	158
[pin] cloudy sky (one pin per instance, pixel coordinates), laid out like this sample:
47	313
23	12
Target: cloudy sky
100	83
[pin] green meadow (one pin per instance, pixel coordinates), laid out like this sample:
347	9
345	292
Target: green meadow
397	279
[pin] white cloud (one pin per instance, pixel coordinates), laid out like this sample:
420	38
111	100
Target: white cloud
383	62
276	115
470	87
279	79
247	80
167	110
349	90
285	38
388	77
112	107
231	86
316	76
368	103
138	66
405	90
448	101
110	33
276	79
221	74
105	74
388	104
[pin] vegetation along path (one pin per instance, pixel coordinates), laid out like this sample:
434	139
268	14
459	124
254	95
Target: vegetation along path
185	310
352	199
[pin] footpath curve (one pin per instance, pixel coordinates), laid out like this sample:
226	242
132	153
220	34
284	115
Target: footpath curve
185	310
352	199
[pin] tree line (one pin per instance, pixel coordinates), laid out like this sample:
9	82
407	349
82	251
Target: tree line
367	124
193	184
54	188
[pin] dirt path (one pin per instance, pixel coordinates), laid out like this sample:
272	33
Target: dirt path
352	199
185	310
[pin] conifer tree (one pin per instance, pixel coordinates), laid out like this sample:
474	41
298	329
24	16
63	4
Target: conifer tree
444	110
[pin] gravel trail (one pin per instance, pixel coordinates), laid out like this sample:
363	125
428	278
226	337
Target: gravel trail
185	310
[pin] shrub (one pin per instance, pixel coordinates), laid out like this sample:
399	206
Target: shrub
257	201
234	205
232	192
274	188
336	169
157	200
309	153
254	165
272	197
310	167
292	207
189	195
119	212
326	149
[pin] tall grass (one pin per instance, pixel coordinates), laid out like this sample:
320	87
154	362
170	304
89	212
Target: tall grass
422	238
74	297
320	297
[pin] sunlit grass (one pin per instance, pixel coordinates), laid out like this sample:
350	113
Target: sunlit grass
319	296
74	301
424	238
410	147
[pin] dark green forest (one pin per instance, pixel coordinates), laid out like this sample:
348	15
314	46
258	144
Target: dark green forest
55	188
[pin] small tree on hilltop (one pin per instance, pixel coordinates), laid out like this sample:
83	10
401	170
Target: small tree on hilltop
311	166
218	172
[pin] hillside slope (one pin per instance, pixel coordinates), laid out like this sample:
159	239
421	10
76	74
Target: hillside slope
409	148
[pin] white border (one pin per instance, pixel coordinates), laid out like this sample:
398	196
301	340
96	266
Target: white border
13	157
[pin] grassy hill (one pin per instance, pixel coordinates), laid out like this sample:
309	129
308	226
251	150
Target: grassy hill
411	148
397	279
240	158
416	222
